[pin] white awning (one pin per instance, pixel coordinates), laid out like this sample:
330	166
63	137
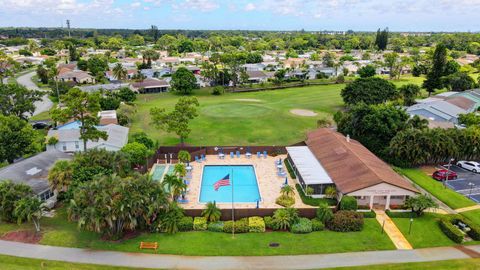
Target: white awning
308	166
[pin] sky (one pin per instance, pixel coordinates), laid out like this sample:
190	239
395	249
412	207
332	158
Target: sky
310	15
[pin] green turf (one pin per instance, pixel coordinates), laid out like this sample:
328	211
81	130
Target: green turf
425	231
473	215
255	118
17	263
58	232
465	264
436	188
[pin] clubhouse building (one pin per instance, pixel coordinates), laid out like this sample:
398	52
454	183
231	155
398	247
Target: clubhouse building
328	158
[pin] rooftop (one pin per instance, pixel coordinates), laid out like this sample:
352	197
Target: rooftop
307	164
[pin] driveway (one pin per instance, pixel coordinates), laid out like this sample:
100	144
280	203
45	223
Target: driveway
40	106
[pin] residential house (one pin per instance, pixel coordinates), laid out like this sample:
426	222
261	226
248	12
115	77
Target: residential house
111	87
33	172
68	137
257	76
108	117
77	76
294	62
130	73
150	85
441	111
331	159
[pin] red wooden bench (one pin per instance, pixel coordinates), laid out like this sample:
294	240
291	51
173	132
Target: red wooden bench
149	245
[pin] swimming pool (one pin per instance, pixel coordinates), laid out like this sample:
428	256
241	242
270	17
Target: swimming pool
245	185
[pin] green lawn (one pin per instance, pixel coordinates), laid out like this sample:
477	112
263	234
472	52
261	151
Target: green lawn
425	231
256	118
473	215
16	263
436	188
465	264
59	232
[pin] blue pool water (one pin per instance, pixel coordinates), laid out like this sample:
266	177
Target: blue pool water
158	171
71	125
245	186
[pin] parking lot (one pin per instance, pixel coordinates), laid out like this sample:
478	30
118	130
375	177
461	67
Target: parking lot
467	183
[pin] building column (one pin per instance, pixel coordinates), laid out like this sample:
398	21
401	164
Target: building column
387	204
371	201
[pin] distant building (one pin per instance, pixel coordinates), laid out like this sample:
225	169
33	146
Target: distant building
257	76
76	76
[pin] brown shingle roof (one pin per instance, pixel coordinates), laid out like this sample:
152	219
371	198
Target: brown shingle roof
461	102
150	83
351	165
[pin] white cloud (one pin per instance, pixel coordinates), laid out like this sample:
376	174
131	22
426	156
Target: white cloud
250	7
135	4
201	5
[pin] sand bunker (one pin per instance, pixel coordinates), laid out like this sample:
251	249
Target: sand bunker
302	112
248	100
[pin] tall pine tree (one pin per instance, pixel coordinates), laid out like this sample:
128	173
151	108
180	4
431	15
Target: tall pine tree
437	71
381	39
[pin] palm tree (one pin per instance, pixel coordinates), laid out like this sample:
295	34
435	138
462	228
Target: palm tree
29	209
180	170
287	190
330	192
284	218
60	176
119	72
174	185
211	212
184	156
170	218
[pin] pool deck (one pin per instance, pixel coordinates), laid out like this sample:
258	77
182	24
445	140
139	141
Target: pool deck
268	182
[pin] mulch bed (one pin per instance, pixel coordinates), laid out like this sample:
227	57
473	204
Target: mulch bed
29	237
126	236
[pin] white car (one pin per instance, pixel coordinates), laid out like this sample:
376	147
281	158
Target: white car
469	165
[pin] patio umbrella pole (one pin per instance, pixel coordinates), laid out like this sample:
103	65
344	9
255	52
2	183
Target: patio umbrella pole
233	212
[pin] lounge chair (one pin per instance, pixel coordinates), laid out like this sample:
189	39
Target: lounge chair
221	155
282	173
232	155
203	157
197	159
248	155
183	201
258	154
238	154
264	154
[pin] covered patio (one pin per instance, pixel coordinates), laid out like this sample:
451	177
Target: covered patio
308	170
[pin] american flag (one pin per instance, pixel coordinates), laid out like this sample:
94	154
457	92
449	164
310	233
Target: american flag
225	181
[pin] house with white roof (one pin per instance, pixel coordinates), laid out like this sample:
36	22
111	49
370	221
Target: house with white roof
68	137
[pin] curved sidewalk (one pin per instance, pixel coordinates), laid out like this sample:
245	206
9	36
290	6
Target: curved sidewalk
261	262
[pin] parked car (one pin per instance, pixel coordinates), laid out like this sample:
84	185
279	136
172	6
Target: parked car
469	165
441	175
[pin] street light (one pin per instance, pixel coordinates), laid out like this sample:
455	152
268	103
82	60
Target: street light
410	227
448	172
471	187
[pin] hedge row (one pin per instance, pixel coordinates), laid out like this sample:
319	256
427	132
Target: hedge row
369	214
474	232
289	169
313	201
450	230
400	214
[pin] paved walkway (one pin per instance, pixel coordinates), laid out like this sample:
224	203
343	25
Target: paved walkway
223	262
392	231
470	208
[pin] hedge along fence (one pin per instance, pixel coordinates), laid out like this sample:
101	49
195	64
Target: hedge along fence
251	212
450	231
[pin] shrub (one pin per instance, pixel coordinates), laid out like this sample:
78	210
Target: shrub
185	224
218	90
284	218
474	232
450	230
241	226
369	214
200	224
346	221
228	226
313	201
317	225
256	224
304	225
400	214
285	201
348	203
269	222
289	169
324	213
215	226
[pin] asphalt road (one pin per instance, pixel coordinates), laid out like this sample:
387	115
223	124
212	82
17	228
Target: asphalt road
40	106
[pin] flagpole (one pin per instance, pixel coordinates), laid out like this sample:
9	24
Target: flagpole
233	212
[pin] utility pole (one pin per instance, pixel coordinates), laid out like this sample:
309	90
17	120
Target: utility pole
68	27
